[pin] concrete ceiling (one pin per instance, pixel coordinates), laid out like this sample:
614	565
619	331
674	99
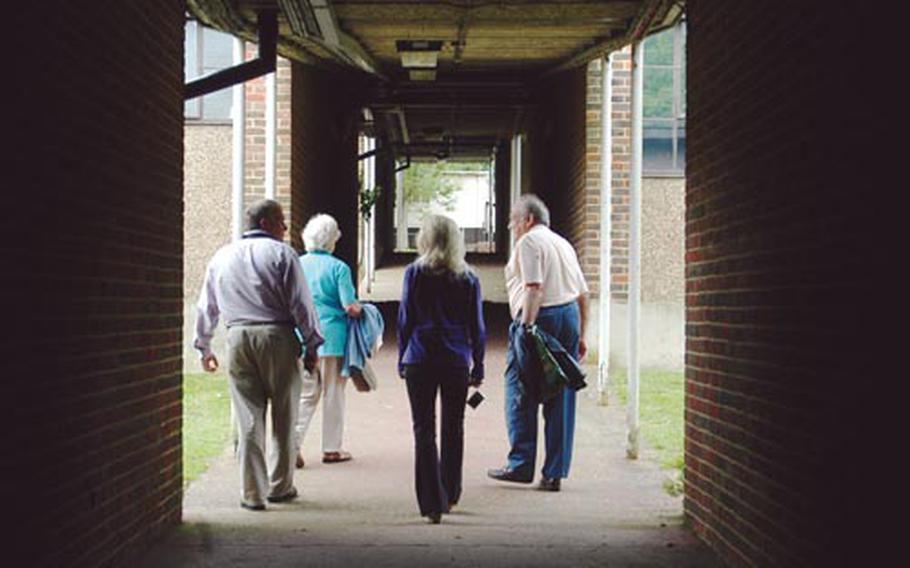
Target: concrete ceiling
492	54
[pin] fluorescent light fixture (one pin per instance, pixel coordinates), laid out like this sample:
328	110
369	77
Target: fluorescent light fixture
419	59
422	74
418	53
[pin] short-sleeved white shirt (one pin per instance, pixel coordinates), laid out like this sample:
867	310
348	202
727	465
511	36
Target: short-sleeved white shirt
542	257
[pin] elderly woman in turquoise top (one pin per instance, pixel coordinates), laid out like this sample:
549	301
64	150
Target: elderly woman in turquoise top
331	285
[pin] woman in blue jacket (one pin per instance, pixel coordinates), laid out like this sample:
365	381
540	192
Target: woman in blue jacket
441	338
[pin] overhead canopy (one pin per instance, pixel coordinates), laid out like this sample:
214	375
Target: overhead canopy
451	77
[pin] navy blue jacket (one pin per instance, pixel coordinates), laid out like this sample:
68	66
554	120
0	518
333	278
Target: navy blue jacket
440	321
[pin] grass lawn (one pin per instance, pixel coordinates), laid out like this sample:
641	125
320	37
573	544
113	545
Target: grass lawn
661	402
206	421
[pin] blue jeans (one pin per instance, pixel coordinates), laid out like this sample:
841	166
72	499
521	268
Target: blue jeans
562	322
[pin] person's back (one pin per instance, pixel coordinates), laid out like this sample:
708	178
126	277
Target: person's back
329	280
560	278
443	329
546	289
257	288
248	276
323	273
441	337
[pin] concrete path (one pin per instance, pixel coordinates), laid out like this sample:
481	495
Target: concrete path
611	511
386	285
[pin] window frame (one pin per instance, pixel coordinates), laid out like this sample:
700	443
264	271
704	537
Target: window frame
677	121
199	117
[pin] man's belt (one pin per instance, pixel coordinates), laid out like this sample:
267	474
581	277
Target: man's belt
259	323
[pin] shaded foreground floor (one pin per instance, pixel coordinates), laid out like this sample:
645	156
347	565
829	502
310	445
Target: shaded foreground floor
611	511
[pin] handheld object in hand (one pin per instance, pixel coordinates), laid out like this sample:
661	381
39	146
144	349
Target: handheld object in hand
475	399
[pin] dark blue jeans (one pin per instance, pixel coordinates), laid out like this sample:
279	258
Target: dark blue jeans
562	322
437	478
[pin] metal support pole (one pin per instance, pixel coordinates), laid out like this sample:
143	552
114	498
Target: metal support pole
238	132
515	189
401	215
635	249
370	182
606	228
270	134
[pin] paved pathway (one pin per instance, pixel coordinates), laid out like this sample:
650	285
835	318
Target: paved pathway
386	285
611	511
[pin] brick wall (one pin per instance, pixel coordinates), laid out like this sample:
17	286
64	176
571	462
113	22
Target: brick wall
254	174
621	139
92	282
326	117
776	254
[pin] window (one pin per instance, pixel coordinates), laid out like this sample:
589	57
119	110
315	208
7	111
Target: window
664	102
207	50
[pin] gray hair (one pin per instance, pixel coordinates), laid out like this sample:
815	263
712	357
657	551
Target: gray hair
321	233
259	211
530	204
441	246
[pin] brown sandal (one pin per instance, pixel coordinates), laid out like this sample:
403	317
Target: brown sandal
336	457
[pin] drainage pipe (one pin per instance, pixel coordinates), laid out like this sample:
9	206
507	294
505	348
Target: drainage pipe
270	134
262	65
606	227
632	416
238	132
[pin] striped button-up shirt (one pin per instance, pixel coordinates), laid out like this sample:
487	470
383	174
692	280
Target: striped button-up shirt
256	280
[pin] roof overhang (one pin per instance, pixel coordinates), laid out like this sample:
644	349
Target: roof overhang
487	56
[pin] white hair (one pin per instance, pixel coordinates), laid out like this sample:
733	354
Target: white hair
441	245
529	204
321	233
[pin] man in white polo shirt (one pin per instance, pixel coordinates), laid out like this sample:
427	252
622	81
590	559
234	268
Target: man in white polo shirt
256	285
546	287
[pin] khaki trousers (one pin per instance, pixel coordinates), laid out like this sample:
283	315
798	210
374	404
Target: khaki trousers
262	365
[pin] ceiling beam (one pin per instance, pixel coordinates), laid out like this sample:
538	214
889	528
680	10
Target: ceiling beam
329	36
429	12
653	15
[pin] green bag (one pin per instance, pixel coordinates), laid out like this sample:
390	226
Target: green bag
552	378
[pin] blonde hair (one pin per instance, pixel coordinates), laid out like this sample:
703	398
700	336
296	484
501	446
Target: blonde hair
321	233
441	245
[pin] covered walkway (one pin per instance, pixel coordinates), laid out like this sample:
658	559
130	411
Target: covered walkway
386	285
788	378
611	511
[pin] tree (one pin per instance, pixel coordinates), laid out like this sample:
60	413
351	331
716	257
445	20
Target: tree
426	182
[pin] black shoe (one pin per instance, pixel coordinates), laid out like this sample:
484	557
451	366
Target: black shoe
547	484
507	474
250	507
434	518
289	496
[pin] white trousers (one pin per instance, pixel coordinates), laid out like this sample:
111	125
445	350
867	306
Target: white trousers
327	383
262	365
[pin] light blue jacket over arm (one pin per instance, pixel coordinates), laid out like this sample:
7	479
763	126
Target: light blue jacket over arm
363	334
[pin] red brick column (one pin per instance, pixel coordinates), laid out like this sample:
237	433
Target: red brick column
92	361
589	247
254	175
780	249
